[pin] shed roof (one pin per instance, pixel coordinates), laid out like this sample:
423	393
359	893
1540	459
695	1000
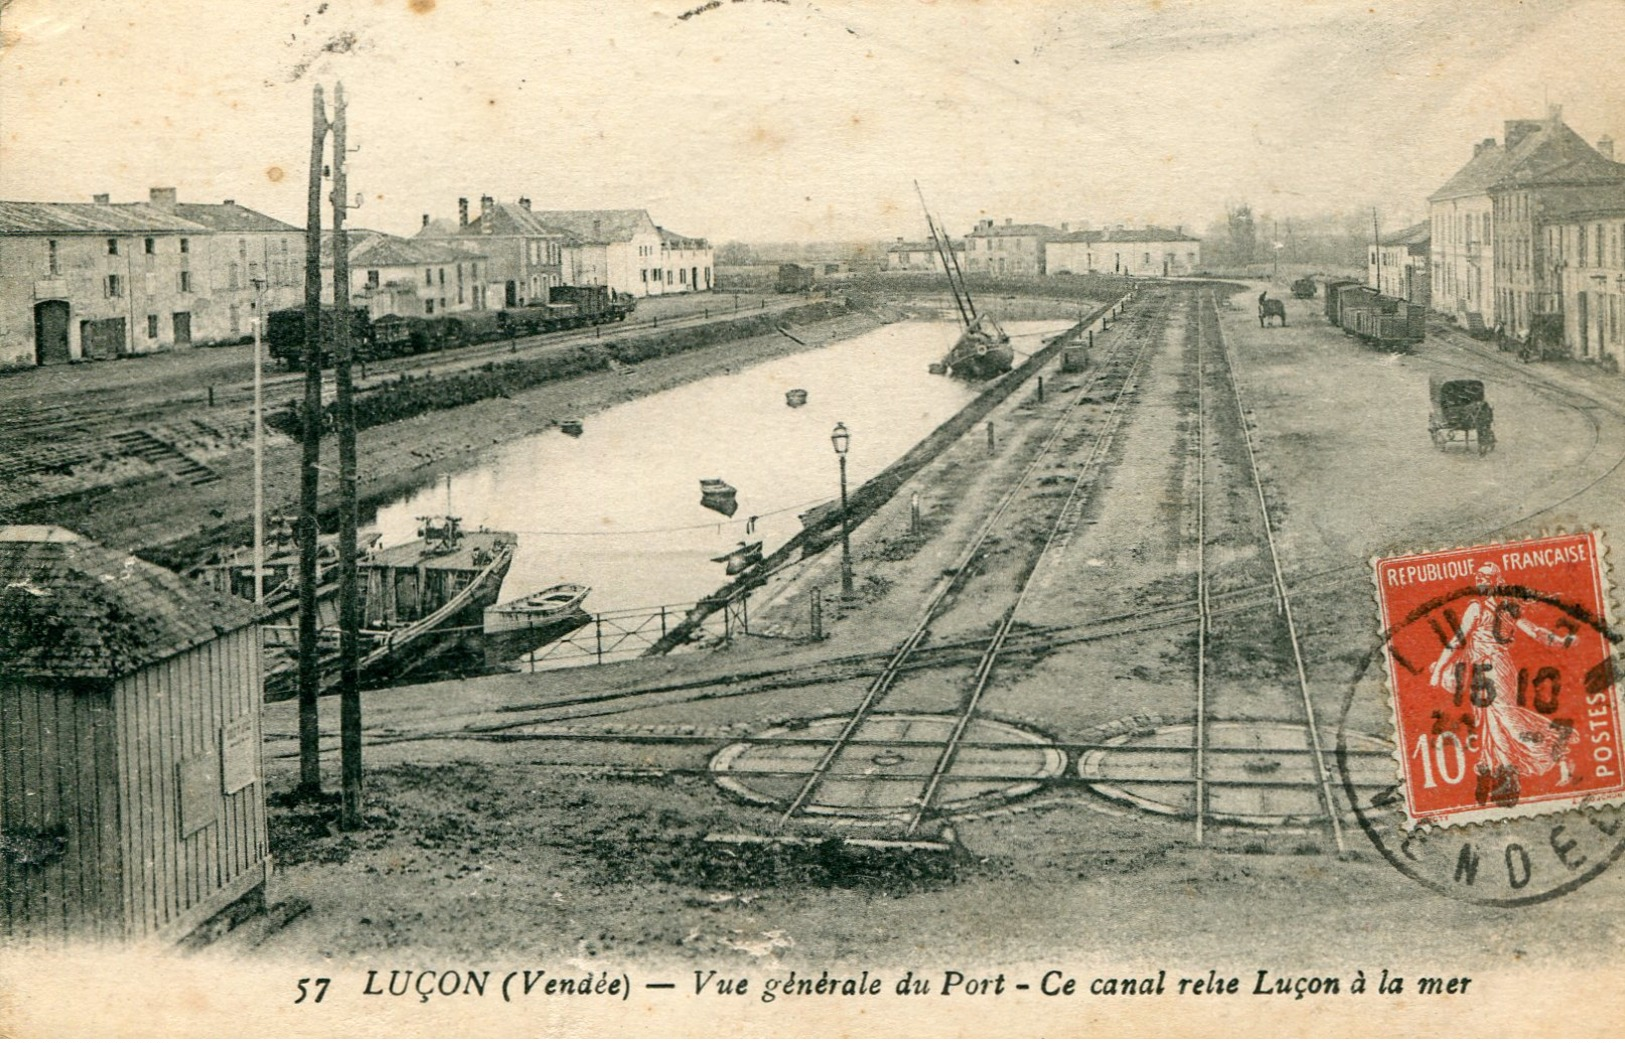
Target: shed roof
1415	235
986	231
1581	202
232	217
1149	234
18	218
1548	152
597	226
71	608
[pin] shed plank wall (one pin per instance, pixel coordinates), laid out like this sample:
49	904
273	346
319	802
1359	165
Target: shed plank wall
173	712
59	773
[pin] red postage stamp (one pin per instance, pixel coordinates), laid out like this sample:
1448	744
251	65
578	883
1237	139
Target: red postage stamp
1501	668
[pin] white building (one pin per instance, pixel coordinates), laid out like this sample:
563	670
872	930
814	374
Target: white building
906	256
626	251
1149	251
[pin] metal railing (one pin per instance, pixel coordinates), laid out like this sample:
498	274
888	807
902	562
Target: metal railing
629	633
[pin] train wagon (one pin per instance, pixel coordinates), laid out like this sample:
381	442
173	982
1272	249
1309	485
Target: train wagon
1376	318
285	335
1333	287
793	278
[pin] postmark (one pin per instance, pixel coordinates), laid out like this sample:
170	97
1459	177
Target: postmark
1499	666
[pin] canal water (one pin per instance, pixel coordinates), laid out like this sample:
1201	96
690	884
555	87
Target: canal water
618	508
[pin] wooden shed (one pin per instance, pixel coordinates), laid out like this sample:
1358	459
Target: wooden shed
131	796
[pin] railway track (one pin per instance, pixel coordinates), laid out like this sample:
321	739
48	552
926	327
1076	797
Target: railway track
1118	373
1213	359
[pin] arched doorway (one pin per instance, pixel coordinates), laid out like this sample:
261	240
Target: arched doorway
51	332
511	295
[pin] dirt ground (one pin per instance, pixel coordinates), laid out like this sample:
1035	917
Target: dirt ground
563	815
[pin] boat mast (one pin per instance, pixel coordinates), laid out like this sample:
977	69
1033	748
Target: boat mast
949	268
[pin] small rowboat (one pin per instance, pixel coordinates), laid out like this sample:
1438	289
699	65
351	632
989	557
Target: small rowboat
571	426
741	557
795	398
719	496
545	608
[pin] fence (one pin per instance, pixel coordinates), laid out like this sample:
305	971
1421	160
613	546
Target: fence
632	632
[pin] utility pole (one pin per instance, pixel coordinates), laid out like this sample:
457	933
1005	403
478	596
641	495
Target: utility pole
259	444
310	767
1376	247
350	816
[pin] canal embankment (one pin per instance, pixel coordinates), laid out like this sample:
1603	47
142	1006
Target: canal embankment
178	525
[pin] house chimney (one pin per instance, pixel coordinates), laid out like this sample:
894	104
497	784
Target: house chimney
487	206
1179	229
162	198
425	220
462	212
1065	227
1007	222
101	197
524	201
1554	114
1606	147
1517	130
229	202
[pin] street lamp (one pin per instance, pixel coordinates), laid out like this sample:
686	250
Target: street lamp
841	439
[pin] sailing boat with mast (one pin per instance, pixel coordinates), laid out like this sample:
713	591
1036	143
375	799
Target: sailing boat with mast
983	348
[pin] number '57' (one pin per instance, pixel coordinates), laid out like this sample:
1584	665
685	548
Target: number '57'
319	984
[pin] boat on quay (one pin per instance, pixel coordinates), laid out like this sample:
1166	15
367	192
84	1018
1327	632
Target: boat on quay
983	349
233	573
420	601
795	398
515	627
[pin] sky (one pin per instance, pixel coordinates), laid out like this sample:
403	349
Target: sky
769	120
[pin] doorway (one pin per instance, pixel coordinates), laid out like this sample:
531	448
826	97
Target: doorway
183	328
51	333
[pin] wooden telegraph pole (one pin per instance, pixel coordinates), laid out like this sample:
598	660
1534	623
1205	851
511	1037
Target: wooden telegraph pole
310	768
350	817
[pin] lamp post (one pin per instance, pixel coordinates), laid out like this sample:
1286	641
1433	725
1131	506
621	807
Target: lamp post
841	439
259	447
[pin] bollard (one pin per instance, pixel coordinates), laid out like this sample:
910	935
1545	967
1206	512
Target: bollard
1040	390
211	396
1091	339
816	610
914	514
992	440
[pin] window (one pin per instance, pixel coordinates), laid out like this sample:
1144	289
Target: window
152	327
428	306
428	276
372	277
644	273
149	245
242	250
112	247
52	261
113	287
186	282
233	275
186	246
442	277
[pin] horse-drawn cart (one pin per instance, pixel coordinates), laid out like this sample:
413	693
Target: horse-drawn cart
1460	414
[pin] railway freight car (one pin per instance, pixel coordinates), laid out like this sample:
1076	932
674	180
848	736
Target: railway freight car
396	336
1376	318
793	278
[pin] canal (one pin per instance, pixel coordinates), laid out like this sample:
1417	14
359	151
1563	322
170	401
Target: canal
618	508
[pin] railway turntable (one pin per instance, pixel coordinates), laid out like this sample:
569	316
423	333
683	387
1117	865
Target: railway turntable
886	767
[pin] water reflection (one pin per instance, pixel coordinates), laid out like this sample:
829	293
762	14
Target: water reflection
618	508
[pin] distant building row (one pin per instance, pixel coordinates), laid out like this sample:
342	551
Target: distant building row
1529	236
101	279
1026	250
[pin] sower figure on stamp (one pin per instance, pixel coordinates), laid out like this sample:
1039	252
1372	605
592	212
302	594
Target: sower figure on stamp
1511	740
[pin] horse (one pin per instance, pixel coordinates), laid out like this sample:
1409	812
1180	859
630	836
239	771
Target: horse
1266	308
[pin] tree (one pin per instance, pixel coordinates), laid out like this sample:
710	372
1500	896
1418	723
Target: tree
1243	233
736	254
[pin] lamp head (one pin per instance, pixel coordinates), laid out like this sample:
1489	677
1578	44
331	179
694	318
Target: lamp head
840	438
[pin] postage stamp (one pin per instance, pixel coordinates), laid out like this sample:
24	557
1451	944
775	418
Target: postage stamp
1500	668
